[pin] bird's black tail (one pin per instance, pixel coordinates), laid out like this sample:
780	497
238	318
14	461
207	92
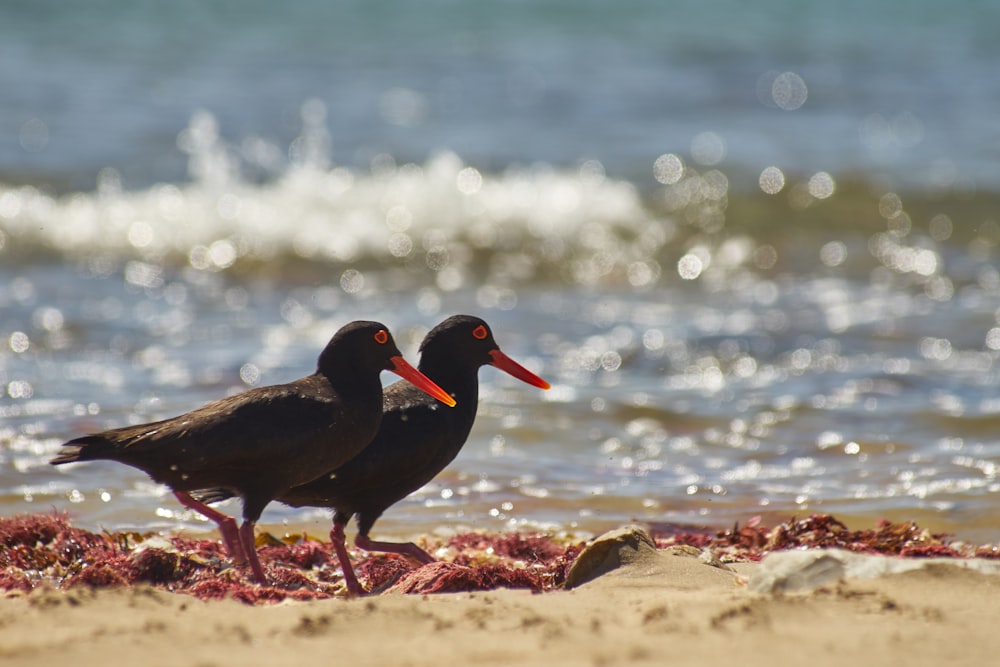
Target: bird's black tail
87	448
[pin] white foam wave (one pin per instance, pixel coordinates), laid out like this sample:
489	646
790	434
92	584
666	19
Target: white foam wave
443	215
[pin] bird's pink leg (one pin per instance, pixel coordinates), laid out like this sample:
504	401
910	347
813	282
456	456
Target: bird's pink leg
227	525
350	579
408	549
250	548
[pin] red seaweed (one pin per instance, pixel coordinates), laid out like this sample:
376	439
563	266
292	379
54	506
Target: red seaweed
529	548
383	570
32	529
753	541
442	577
44	549
305	554
157	566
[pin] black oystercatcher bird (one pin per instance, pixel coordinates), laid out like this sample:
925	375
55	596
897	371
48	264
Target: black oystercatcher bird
415	442
260	443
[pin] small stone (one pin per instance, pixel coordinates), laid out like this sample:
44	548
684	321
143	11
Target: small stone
608	552
787	571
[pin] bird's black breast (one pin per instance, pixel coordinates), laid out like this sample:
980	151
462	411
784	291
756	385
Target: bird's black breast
417	438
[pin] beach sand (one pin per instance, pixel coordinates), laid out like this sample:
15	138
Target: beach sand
651	606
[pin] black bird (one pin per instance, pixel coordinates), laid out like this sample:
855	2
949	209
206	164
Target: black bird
415	441
260	443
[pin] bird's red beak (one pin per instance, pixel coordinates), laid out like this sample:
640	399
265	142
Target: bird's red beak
403	369
508	365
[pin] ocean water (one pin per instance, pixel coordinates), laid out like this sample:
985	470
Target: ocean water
754	249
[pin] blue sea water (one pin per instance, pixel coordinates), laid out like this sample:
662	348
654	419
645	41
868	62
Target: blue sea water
753	246
905	88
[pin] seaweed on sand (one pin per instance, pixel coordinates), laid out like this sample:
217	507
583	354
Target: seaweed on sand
45	549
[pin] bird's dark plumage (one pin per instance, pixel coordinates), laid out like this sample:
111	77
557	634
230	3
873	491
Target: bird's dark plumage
416	440
260	443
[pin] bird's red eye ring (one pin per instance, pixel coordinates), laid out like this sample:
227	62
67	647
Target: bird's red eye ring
480	332
381	337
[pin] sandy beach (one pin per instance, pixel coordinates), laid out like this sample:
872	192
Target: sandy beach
752	248
637	605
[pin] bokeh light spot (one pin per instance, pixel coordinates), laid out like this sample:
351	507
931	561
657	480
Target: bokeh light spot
19	342
352	281
890	205
821	185
690	267
941	227
993	338
250	374
469	181
398	218
789	91
140	234
222	253
20	389
668	169
400	245
771	180
708	148
833	253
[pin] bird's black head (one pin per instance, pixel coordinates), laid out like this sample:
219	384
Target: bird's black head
463	338
468	340
360	344
361	348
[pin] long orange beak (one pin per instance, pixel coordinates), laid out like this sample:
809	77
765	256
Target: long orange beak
508	365
403	369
